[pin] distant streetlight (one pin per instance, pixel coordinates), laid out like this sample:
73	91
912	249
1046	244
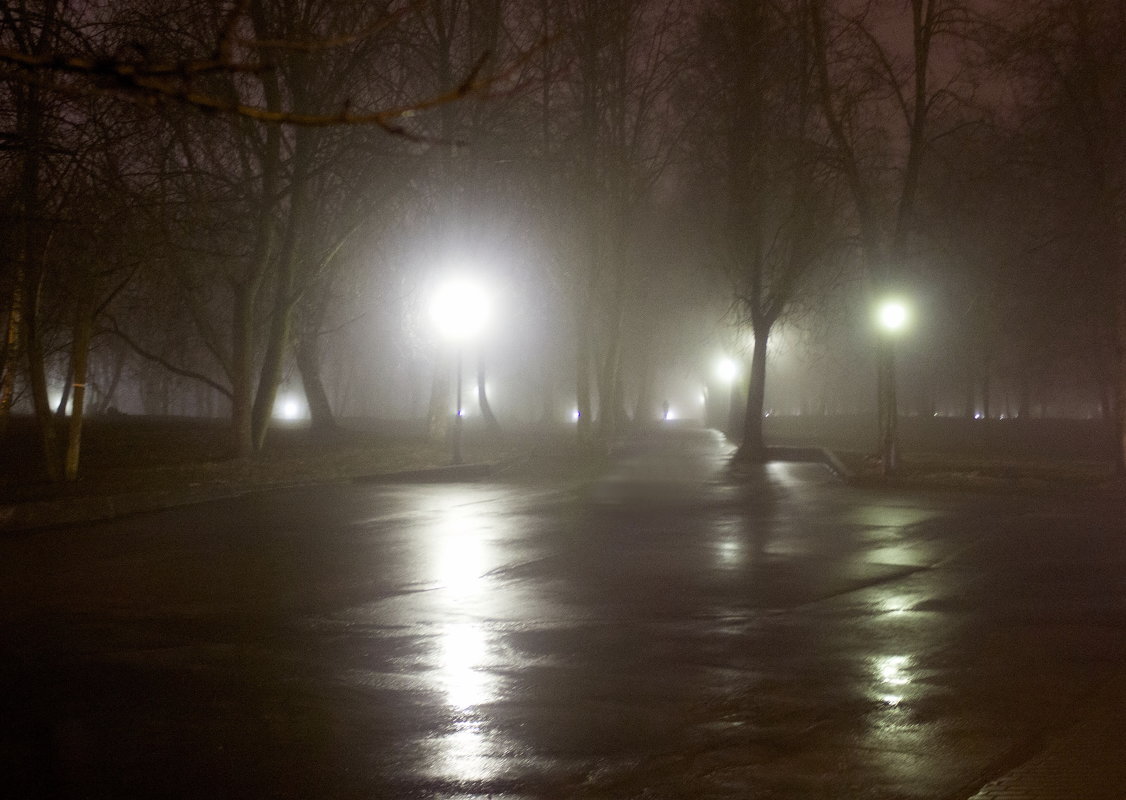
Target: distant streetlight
727	370
892	317
460	309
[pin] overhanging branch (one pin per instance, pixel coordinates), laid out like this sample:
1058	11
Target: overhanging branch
168	365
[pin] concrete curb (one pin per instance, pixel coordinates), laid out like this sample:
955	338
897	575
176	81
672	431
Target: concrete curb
1083	760
18	517
811	455
834	463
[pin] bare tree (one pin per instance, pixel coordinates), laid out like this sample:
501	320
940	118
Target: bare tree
878	104
776	202
1068	64
609	119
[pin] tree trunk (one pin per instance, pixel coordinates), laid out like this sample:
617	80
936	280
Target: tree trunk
438	418
888	412
68	381
37	377
753	448
12	349
643	408
271	373
583	427
309	367
32	245
272	369
285	294
83	328
105	402
242	345
1120	370
611	391
483	399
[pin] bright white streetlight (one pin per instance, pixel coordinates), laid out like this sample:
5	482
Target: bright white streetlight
288	407
893	315
727	370
460	309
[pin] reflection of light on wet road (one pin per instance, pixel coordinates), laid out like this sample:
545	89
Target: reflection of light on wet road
463	650
896	604
891	678
730	551
465	754
460	562
462	548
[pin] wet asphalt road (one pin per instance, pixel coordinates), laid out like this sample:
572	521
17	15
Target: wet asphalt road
675	630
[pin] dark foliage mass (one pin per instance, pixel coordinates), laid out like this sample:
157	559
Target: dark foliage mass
240	209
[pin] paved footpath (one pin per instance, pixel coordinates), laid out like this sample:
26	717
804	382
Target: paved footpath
1085	762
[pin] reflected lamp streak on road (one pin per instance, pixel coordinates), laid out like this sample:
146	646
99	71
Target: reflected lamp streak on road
896	604
462	556
463	651
891	672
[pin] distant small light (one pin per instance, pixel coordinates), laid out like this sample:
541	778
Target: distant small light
290	409
727	370
461	412
575	415
979	415
670	414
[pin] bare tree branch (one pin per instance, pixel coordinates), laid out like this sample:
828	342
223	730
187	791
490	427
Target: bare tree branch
156	359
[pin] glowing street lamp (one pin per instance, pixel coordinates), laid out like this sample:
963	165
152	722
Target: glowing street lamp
727	370
892	317
460	309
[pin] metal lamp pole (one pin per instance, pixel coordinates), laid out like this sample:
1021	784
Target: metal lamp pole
457	459
459	309
893	315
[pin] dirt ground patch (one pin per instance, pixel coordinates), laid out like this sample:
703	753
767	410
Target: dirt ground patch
143	454
947	471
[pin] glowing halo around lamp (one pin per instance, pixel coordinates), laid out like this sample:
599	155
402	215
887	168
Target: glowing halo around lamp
459	309
893	315
727	369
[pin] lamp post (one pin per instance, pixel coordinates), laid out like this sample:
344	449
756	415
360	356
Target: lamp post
459	309
892	316
727	371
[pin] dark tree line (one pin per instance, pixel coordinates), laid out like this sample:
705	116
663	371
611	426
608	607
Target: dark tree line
210	191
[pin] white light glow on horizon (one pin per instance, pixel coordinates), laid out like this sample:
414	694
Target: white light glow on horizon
460	309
